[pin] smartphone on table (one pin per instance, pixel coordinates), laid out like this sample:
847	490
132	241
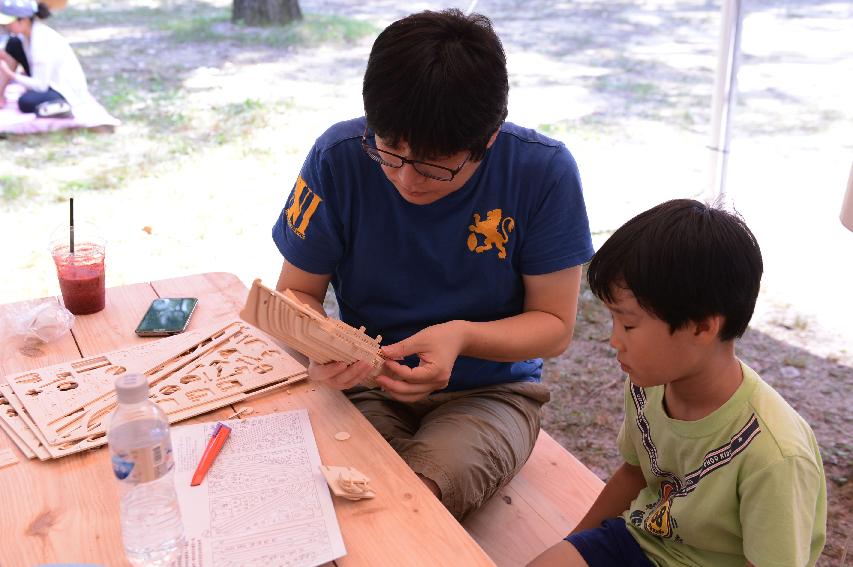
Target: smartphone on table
167	316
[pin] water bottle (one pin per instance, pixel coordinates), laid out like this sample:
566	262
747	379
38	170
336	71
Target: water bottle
141	455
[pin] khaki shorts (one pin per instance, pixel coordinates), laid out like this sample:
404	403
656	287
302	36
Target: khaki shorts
470	443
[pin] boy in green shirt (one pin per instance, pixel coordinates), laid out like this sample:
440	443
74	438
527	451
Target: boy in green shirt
719	469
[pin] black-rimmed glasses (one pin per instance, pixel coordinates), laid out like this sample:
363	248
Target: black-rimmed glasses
431	170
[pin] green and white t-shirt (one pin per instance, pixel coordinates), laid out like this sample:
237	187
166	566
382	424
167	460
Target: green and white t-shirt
743	483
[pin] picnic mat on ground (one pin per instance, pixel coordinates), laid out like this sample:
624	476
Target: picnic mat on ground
13	121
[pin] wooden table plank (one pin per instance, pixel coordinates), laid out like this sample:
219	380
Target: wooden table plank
220	296
65	494
67	509
371	528
563	508
510	529
17	356
113	328
541	505
70	512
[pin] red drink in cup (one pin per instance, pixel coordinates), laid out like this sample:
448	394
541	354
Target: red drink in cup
81	273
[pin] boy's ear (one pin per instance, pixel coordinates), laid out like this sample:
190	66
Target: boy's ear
709	328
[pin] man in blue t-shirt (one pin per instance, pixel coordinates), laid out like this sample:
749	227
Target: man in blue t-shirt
457	237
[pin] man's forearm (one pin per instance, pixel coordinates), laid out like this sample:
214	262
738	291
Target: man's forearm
310	301
625	484
531	334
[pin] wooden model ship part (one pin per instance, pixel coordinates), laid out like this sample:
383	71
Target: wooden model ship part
7	458
322	339
63	409
347	482
241	412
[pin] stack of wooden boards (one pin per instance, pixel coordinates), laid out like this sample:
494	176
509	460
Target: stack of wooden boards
62	409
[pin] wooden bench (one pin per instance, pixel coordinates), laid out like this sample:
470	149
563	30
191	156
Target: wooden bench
538	508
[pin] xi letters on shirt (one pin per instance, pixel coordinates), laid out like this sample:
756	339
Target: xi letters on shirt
301	207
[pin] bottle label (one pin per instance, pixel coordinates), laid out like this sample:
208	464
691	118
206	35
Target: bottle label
145	464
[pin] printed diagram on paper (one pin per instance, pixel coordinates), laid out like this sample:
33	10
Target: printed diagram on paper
264	500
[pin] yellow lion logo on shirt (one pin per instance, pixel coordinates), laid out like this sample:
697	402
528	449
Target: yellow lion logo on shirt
495	229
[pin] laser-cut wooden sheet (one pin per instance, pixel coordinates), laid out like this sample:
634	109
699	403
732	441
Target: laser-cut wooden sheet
16	428
66	407
321	339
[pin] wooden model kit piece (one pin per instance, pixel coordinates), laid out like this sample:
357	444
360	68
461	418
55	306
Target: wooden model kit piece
241	412
7	458
66	407
17	426
347	482
322	339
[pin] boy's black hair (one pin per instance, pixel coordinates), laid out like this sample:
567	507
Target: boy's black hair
437	81
683	261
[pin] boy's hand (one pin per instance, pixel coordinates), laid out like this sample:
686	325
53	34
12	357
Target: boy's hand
437	347
338	375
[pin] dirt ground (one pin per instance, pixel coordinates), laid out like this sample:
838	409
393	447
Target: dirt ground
218	118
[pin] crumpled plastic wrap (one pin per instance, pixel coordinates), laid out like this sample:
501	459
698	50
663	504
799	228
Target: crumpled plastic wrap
31	325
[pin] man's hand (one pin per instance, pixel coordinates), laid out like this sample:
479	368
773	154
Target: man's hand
437	347
338	375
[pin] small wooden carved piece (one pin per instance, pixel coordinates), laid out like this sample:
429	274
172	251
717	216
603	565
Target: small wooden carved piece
241	412
347	482
321	339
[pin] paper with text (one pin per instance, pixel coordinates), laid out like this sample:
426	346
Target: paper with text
264	500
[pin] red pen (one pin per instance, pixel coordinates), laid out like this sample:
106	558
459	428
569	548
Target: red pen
217	440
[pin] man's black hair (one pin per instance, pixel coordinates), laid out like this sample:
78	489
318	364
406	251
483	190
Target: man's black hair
437	81
684	261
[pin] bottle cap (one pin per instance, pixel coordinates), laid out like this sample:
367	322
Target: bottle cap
131	388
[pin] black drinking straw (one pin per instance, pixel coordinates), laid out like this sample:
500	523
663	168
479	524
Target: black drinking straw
71	226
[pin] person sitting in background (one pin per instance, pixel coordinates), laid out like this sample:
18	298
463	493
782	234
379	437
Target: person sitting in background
719	470
50	72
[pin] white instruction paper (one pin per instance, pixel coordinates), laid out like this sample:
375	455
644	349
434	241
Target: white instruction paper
264	500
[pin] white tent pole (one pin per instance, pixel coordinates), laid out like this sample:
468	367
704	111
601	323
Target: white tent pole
725	90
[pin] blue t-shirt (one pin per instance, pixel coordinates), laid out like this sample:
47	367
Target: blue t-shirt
398	268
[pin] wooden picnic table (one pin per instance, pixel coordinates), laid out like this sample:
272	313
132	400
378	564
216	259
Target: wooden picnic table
66	510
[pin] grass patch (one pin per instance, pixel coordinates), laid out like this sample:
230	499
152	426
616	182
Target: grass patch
239	119
155	15
594	126
627	85
313	30
15	187
197	28
121	94
107	179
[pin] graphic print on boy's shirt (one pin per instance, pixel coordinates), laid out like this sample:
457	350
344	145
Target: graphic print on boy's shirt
656	518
